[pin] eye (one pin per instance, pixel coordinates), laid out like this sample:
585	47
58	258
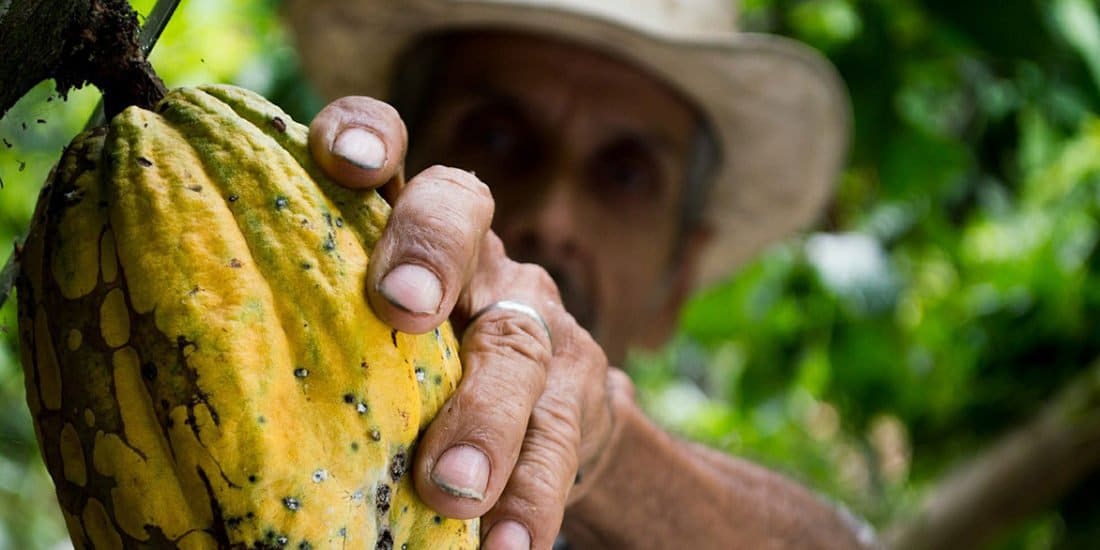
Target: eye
627	169
493	136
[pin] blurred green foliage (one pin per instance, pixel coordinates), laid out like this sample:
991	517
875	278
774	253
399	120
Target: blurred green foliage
950	290
954	284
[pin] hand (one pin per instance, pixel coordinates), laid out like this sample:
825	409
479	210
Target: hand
532	407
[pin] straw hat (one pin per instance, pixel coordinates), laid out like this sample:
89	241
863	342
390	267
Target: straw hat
779	110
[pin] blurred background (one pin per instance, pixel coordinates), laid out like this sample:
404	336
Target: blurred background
949	297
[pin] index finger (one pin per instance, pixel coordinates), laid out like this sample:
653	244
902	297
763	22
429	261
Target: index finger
359	142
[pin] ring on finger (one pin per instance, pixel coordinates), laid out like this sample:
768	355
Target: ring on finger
517	307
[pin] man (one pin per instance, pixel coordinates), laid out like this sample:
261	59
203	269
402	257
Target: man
635	150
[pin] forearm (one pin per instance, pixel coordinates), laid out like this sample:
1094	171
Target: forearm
653	491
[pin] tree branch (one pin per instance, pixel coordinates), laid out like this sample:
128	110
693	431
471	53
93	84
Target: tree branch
75	42
1017	476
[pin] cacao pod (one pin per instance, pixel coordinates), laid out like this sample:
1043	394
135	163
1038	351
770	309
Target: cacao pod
201	363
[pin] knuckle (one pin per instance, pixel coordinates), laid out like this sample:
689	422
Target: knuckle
538	278
577	346
554	426
510	336
465	194
484	415
437	235
357	106
467	182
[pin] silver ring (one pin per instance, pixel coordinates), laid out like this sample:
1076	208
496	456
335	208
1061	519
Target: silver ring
518	307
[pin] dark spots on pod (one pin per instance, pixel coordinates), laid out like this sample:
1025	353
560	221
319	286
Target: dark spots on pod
22	166
279	124
382	498
393	337
339	222
437	334
196	188
149	371
292	504
233	522
7	143
363	365
419	374
328	218
437	379
301	372
447	352
144	162
71	197
330	242
252	478
185	346
355	445
304	545
307	266
235	263
320	475
375	435
272	540
233	198
438	520
349	398
40	120
362	408
193	291
23	125
281	203
342	532
398	466
385	540
261	419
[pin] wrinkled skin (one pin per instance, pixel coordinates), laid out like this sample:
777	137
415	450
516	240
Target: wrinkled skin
575	172
583	160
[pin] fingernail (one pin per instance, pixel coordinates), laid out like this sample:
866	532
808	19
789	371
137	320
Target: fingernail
462	471
360	147
412	288
508	535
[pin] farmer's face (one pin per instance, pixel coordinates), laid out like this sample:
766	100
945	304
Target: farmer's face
586	157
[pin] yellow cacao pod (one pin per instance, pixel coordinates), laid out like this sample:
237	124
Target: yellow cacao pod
201	363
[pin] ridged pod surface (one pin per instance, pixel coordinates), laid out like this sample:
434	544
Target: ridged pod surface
201	363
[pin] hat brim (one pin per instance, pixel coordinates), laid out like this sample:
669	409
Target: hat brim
779	109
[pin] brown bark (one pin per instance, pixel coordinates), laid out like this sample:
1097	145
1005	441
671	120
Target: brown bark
1019	475
75	42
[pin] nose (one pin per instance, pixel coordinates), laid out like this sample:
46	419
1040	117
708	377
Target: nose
545	226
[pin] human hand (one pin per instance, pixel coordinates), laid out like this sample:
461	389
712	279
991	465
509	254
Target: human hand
534	405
